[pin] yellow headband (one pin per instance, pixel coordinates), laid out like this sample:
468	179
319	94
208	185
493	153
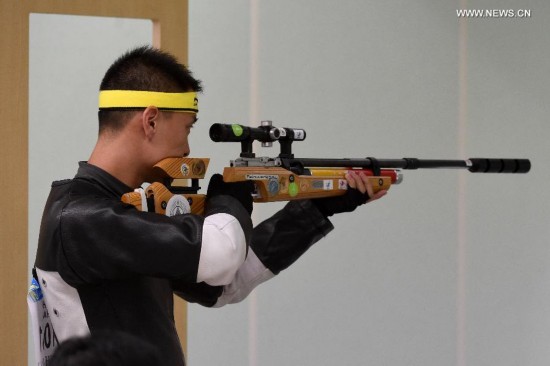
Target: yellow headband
128	99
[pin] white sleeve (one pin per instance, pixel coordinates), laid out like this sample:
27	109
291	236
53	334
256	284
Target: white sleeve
223	249
251	274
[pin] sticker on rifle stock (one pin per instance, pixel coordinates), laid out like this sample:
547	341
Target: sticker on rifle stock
342	184
304	185
272	185
317	184
261	177
184	169
324	184
198	168
177	205
293	189
327	185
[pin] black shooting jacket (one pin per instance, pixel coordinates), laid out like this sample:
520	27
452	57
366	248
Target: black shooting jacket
103	265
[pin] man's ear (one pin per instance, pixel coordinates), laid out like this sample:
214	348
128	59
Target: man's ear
149	121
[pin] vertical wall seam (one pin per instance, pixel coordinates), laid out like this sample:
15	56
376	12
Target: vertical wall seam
254	117
461	193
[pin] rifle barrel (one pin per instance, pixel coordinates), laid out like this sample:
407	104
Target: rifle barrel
474	165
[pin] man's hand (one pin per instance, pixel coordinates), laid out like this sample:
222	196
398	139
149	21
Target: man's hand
360	191
242	191
362	184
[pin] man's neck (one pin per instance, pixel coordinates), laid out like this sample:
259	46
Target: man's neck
122	163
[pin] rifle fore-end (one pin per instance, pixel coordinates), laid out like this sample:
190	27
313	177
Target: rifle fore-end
279	184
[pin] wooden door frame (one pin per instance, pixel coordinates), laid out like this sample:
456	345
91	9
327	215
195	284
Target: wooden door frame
170	27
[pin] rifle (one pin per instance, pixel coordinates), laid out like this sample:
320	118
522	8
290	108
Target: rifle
286	177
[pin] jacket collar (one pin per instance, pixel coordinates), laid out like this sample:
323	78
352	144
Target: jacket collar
99	176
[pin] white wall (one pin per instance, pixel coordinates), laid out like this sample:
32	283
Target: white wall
450	268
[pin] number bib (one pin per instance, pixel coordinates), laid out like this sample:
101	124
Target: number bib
45	339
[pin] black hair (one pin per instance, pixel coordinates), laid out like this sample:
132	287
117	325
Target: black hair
144	68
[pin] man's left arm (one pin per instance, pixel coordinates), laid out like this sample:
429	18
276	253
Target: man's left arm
280	240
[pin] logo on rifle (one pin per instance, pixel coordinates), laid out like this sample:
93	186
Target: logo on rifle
342	184
261	177
199	167
184	169
177	205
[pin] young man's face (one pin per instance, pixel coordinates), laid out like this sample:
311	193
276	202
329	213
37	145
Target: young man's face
175	128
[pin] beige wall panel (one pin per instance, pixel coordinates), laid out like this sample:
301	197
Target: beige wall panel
170	28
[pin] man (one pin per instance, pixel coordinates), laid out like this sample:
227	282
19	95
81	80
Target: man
103	265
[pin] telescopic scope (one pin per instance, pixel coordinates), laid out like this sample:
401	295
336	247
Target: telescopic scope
265	134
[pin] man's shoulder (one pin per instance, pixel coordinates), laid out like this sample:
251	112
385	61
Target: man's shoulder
73	193
60	183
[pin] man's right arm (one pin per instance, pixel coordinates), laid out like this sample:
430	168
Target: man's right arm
98	239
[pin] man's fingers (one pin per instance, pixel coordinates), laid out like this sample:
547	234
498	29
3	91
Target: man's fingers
356	181
362	183
368	186
351	180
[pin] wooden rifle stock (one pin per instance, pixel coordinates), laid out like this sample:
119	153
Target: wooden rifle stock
272	184
279	184
166	185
